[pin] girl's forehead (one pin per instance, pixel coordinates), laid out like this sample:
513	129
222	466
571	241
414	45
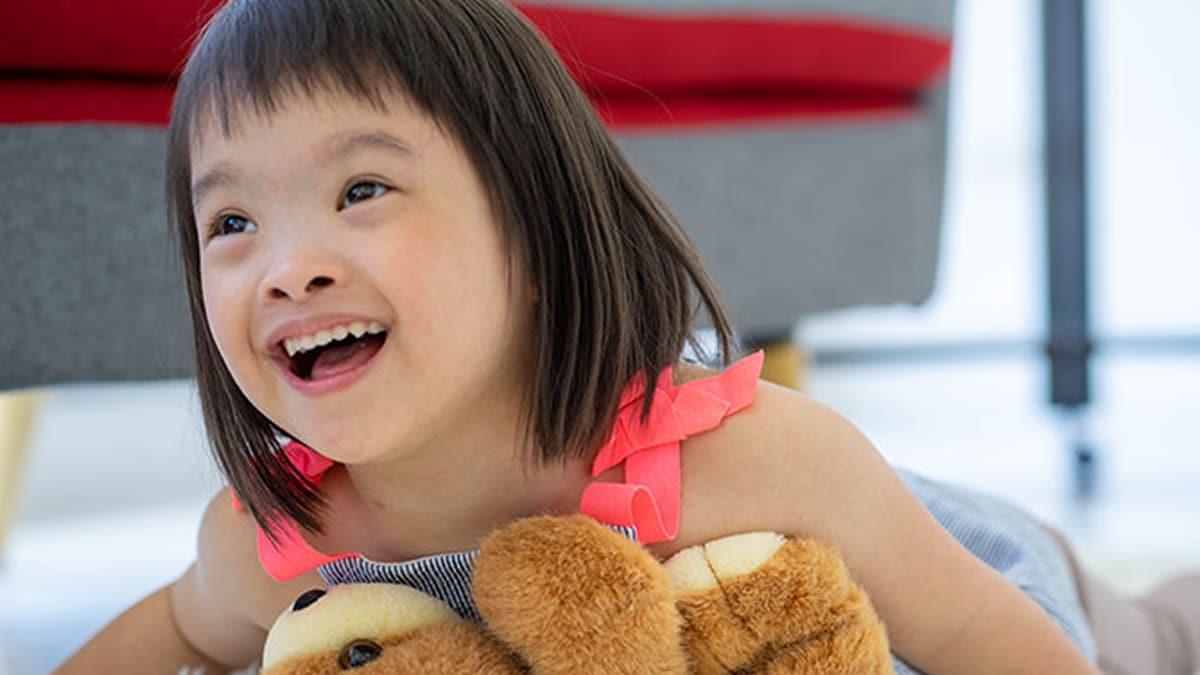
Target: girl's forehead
302	121
305	139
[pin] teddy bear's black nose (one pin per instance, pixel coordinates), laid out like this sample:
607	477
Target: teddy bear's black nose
358	654
307	599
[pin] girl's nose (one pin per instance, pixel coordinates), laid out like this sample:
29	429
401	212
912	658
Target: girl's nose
300	274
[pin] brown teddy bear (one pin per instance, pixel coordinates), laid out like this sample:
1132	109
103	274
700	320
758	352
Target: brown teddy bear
566	595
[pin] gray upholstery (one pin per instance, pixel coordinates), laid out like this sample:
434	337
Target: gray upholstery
91	288
794	219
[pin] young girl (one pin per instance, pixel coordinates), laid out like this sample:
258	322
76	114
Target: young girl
412	248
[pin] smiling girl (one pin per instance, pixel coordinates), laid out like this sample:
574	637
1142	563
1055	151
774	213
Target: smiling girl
430	297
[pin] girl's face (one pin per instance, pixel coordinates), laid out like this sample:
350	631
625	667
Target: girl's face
328	217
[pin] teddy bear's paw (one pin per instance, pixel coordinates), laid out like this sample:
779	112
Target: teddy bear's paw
385	629
572	596
761	603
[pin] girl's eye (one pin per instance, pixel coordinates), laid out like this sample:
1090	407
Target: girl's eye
231	224
361	192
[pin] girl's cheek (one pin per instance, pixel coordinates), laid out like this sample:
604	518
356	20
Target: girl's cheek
216	326
220	307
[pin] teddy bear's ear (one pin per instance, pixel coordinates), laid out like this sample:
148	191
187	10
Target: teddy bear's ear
347	618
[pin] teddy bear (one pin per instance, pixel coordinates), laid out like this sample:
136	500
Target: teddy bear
566	595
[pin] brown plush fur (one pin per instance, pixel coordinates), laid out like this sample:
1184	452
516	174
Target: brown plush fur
570	596
799	612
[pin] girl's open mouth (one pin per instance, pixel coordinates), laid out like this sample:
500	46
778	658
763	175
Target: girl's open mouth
336	357
331	366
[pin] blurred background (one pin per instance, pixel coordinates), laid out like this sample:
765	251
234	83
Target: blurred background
958	388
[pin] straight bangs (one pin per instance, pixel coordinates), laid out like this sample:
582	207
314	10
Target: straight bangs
255	56
613	270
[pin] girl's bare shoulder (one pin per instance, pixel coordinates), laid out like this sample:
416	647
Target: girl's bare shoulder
225	603
765	468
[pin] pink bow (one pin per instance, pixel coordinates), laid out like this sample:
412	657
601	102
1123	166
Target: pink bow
649	499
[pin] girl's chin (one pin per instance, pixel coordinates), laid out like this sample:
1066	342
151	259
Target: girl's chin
344	446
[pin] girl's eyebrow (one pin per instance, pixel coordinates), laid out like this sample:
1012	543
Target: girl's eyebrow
225	175
345	144
221	175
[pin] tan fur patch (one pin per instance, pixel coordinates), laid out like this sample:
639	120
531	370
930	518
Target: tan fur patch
689	571
348	612
453	647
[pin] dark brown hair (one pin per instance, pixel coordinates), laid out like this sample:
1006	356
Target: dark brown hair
614	271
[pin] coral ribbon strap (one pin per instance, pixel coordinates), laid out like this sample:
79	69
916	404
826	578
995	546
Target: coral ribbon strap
649	499
293	555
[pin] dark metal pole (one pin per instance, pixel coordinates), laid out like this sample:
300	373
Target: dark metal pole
1069	342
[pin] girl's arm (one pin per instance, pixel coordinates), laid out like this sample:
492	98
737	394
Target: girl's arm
214	617
811	473
144	639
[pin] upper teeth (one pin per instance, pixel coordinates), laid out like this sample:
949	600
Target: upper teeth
305	343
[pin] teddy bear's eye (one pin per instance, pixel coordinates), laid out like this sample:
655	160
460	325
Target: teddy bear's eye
308	598
358	654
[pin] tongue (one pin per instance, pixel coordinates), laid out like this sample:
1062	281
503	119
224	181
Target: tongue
339	359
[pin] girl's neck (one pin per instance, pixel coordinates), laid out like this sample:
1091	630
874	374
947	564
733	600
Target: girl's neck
403	510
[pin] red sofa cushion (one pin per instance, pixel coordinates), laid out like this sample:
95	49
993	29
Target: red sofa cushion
668	52
113	61
110	38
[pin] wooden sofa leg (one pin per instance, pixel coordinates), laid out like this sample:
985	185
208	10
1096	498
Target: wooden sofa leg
786	364
17	412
